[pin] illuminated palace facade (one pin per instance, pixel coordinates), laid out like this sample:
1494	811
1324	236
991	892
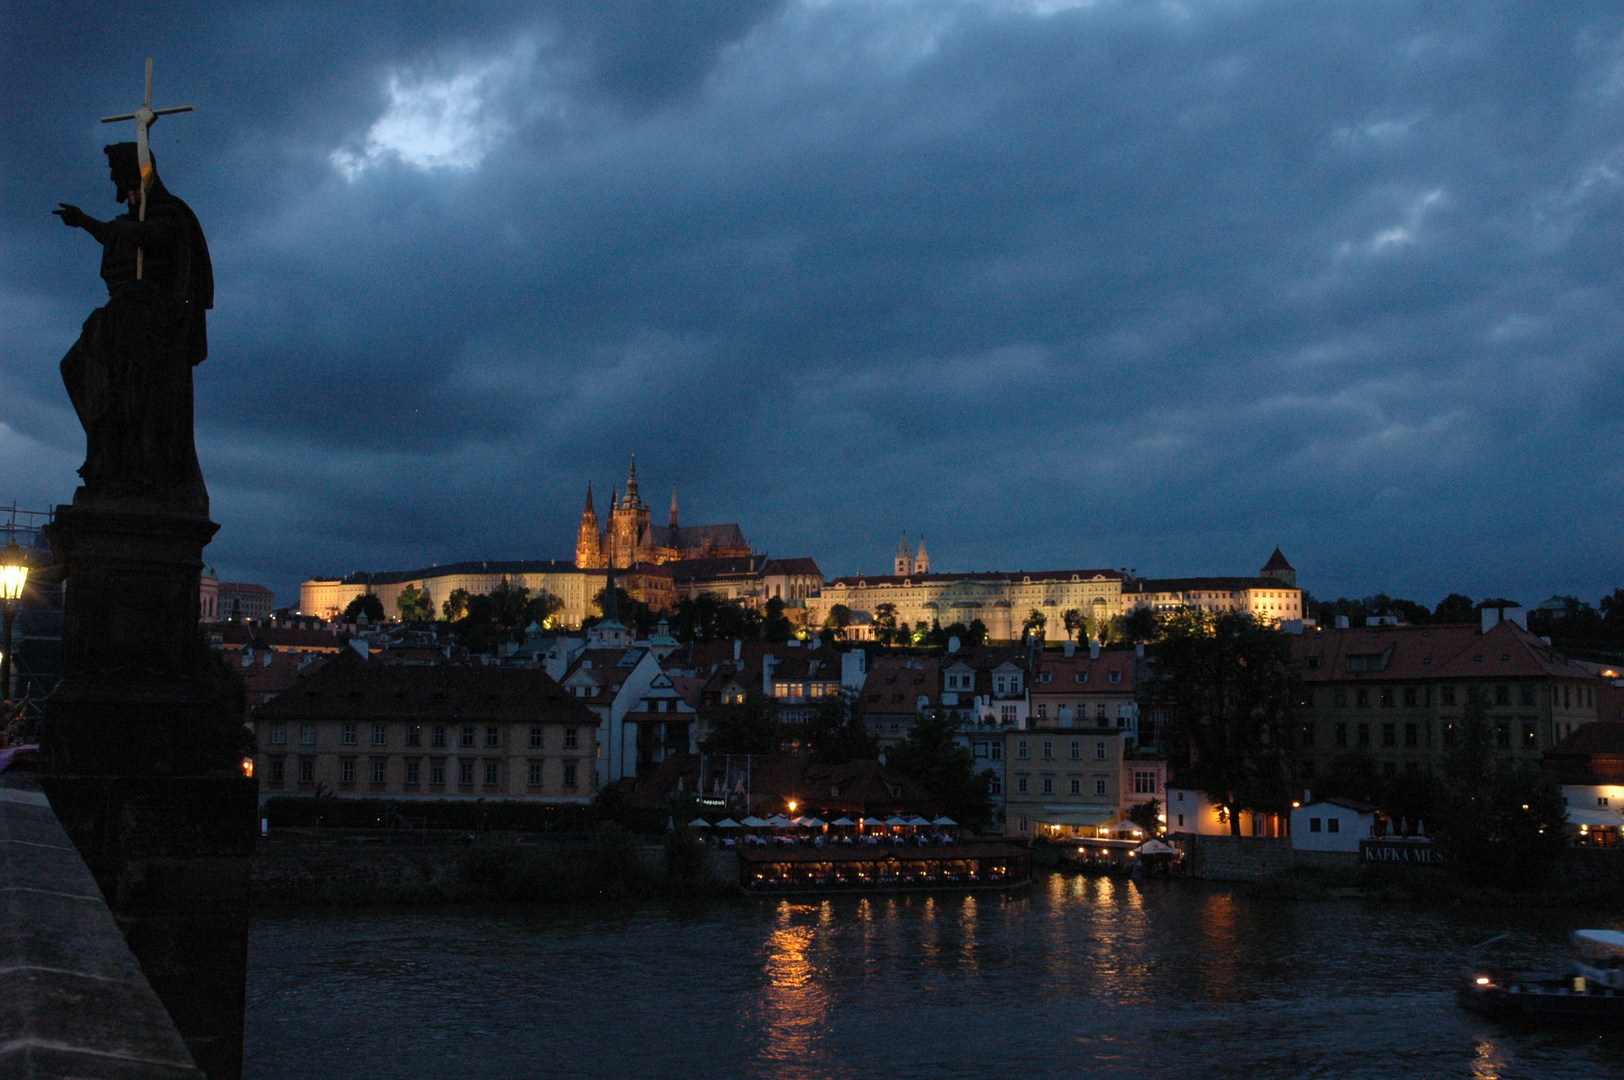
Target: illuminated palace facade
1002	601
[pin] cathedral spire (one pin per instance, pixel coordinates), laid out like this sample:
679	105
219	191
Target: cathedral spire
673	506
922	559
589	511
614	498
905	560
632	501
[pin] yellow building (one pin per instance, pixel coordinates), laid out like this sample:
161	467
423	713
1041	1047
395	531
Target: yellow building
328	597
1001	601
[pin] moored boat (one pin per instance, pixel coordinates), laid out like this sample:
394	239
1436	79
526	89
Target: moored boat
1589	994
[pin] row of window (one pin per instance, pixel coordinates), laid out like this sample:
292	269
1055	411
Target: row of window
1388	697
1023	750
1417	734
1023	785
378	771
467	735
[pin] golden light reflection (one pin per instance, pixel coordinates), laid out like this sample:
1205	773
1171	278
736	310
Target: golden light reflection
794	1006
1488	1061
967	933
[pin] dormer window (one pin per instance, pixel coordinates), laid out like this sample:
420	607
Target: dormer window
1114	677
1082	676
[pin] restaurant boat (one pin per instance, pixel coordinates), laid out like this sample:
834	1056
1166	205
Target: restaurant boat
964	865
1589	994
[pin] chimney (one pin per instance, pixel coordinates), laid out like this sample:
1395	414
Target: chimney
1139	650
1094	649
738	650
1341	622
953	644
767	665
1071	648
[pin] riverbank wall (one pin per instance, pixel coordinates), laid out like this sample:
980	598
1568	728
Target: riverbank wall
304	867
1253	858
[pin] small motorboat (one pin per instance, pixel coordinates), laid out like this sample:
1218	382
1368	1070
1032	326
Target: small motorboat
1589	994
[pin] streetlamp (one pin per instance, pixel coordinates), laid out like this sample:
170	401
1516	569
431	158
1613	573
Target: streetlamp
13	576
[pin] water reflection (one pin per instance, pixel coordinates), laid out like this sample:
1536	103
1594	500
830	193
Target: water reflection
794	1003
1062	980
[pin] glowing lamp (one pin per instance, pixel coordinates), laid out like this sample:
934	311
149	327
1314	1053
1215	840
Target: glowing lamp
1482	980
13	574
792	805
248	766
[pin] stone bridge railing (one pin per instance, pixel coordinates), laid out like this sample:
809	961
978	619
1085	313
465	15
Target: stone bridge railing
73	1000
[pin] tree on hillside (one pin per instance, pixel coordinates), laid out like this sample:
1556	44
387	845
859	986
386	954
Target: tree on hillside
708	617
414	605
1232	688
634	614
838	619
1074	621
747	727
775	626
836	733
541	609
1034	623
947	770
456	605
975	633
885	623
366	604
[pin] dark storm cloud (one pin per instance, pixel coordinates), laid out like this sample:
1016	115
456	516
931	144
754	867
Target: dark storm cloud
1109	284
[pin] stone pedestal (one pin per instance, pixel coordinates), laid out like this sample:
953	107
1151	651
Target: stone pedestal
142	762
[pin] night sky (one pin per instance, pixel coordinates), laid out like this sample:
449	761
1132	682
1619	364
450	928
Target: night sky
1119	284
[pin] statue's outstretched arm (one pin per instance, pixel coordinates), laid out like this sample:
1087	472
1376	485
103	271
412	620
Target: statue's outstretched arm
75	218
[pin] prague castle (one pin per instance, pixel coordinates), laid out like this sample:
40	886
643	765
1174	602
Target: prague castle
631	539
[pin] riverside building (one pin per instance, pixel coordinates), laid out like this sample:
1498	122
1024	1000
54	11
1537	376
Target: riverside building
403	732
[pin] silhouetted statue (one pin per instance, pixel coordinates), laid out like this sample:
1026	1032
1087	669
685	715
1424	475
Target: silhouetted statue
130	373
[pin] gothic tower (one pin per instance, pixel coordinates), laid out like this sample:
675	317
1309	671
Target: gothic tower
588	544
628	540
904	561
673	538
922	560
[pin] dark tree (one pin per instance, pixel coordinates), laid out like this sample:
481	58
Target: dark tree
1034	623
885	623
775	626
747	727
975	633
541	609
414	605
456	605
836	732
709	617
1455	608
1230	682
1502	823
838	620
1148	816
947	770
366	604
634	614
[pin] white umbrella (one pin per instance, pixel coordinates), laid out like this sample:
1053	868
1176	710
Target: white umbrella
916	821
812	823
728	823
842	820
944	820
753	822
1155	847
870	822
896	819
699	823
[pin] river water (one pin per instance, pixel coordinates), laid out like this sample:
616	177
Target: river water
1071	977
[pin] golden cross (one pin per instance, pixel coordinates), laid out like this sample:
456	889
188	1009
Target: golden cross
144	118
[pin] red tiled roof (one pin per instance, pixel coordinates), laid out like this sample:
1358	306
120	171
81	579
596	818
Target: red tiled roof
995	577
348	687
1277	561
1065	671
1432	652
798	567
